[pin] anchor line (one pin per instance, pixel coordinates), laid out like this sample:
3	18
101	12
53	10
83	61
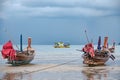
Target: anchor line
50	67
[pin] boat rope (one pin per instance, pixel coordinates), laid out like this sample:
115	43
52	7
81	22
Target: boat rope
50	67
86	36
8	34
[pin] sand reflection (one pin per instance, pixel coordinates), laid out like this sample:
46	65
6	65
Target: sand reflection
95	73
16	76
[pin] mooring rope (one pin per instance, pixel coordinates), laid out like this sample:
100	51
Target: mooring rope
50	67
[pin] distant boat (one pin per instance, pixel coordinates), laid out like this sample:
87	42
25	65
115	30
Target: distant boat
61	45
16	57
118	43
112	49
98	56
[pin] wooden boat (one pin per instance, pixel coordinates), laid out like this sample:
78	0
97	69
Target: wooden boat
119	43
98	56
61	45
112	49
23	57
99	59
16	57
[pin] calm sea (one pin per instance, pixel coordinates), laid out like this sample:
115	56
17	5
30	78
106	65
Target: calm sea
47	54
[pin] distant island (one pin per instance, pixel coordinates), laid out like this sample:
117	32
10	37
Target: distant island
61	45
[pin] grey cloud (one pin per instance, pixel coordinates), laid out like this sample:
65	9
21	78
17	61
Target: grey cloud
1	9
54	8
73	3
1	5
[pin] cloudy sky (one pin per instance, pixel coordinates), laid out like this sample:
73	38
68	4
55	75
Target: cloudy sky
49	21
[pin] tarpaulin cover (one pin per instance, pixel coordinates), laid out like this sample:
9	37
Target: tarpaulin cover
89	49
8	51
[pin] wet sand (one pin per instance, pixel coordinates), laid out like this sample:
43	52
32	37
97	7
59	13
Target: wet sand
58	72
61	64
32	68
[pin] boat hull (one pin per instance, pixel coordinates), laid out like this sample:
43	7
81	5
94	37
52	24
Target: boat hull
23	57
98	59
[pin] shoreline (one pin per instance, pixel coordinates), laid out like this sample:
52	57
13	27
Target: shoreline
31	68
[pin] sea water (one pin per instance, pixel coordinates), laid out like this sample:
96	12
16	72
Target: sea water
68	57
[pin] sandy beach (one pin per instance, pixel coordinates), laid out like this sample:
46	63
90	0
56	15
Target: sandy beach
58	72
60	64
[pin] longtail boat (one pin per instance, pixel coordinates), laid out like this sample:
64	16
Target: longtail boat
97	56
18	57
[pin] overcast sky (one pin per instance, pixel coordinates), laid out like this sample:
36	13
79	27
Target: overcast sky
49	21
